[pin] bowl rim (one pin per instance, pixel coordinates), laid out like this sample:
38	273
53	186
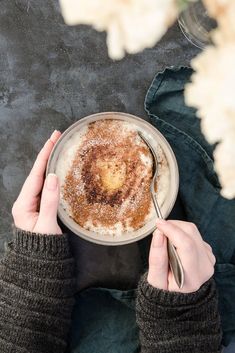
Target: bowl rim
117	242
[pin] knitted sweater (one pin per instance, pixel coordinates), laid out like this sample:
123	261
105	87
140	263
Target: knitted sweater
37	287
173	322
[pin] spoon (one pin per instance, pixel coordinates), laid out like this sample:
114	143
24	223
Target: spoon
174	260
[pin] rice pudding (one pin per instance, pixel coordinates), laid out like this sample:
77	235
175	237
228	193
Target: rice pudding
105	171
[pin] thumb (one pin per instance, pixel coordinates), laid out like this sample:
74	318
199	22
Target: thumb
158	261
47	219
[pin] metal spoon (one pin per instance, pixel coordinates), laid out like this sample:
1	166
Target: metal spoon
174	260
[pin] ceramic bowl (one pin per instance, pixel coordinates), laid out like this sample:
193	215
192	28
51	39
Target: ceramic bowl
154	137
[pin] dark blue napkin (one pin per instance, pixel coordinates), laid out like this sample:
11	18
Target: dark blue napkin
199	185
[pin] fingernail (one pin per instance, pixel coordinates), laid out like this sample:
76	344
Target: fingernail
53	134
158	239
51	182
161	222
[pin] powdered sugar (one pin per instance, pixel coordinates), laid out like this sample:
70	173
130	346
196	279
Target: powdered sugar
116	218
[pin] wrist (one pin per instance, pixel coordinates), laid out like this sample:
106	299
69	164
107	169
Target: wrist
167	298
40	245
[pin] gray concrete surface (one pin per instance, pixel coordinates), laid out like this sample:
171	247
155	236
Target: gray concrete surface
51	75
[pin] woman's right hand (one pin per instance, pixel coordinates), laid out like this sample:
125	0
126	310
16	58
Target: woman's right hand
35	209
196	256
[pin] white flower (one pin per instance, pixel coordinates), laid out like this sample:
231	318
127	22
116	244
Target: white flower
212	92
131	25
223	11
225	166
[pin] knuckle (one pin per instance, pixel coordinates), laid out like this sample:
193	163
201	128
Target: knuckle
46	208
34	174
211	271
192	227
208	245
214	259
210	248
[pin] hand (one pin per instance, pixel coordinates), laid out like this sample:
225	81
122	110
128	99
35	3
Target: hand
32	212
196	256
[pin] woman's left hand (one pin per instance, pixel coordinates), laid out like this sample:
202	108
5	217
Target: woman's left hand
35	209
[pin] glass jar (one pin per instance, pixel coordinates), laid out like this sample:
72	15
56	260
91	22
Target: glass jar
196	24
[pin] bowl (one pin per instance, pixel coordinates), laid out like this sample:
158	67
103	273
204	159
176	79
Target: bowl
154	137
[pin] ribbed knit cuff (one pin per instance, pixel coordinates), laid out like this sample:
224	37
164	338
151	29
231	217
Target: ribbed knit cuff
167	298
54	246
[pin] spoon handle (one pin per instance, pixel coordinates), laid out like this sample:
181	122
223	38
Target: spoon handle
174	260
175	264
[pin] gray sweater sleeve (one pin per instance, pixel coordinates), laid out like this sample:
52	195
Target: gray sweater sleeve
171	322
36	293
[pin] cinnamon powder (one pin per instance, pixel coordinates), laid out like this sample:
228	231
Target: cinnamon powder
109	182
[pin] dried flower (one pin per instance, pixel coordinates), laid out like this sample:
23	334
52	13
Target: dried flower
223	11
131	25
212	93
225	166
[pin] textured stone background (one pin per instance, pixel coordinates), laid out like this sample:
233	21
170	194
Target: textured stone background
51	75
